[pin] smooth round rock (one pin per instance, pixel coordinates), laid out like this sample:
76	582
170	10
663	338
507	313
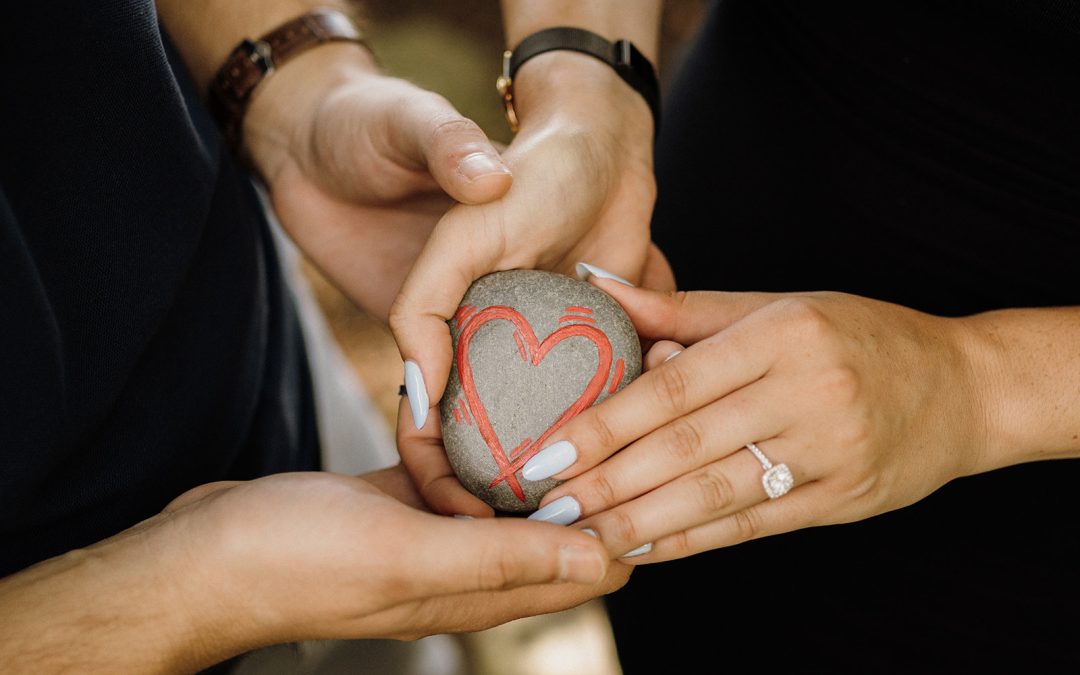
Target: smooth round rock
531	350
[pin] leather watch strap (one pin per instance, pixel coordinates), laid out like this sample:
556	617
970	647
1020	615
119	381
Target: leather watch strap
625	58
253	60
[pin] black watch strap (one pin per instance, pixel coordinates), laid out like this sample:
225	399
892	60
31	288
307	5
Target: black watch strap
626	59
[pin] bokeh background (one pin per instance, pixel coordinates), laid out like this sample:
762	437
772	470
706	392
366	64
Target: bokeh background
455	48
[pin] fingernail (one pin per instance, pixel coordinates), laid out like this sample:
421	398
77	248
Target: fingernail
580	565
672	355
562	511
418	399
640	550
585	270
591	532
550	461
462	516
480	164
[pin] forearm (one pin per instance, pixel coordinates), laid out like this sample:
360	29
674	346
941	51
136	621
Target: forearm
206	31
122	605
1026	366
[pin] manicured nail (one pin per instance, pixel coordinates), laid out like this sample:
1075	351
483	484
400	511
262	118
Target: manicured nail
585	270
591	532
480	164
462	516
417	392
672	355
580	565
550	461
640	550
562	511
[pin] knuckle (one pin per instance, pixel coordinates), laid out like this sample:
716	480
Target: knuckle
603	431
599	492
841	384
679	543
804	317
685	442
670	387
747	524
715	491
448	126
622	528
495	570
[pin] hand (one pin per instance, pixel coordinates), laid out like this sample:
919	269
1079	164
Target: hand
231	566
361	166
583	190
872	406
422	450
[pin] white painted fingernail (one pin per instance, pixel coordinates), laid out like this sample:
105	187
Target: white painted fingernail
591	532
585	270
417	393
562	511
481	164
672	355
462	516
640	550
550	461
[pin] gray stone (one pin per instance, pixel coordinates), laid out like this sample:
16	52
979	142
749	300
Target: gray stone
531	350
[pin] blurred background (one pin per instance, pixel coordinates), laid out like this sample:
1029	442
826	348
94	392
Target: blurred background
455	48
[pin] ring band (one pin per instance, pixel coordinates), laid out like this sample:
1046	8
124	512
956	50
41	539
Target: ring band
777	479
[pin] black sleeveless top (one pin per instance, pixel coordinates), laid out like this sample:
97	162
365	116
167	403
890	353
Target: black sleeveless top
147	339
924	153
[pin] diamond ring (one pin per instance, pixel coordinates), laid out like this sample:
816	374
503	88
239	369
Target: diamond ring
776	479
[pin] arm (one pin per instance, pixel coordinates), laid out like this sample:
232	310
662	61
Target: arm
583	190
233	566
871	405
359	166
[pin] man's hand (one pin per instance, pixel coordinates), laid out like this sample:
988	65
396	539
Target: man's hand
360	167
228	567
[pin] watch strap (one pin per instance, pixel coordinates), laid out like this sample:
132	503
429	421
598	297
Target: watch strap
625	58
252	60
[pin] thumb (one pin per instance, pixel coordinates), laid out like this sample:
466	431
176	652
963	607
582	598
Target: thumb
492	554
456	152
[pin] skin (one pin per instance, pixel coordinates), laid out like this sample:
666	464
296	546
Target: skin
871	405
361	169
583	181
585	145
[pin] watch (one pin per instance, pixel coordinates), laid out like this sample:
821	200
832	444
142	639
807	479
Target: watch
253	60
627	60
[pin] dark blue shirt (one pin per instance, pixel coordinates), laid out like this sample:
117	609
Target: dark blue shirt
147	340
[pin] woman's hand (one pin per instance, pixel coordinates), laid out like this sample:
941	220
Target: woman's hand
870	405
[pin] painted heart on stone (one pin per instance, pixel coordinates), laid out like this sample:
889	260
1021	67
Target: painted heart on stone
510	390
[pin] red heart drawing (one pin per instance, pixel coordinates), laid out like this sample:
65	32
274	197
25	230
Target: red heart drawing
533	351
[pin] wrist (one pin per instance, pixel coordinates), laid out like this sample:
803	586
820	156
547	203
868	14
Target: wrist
280	117
1001	442
577	90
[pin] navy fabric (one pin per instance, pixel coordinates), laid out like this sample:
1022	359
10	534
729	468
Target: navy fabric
924	153
147	339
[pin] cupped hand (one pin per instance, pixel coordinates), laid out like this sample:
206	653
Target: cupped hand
583	190
316	556
360	166
871	406
424	454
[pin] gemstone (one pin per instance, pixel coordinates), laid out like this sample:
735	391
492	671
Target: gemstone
777	481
